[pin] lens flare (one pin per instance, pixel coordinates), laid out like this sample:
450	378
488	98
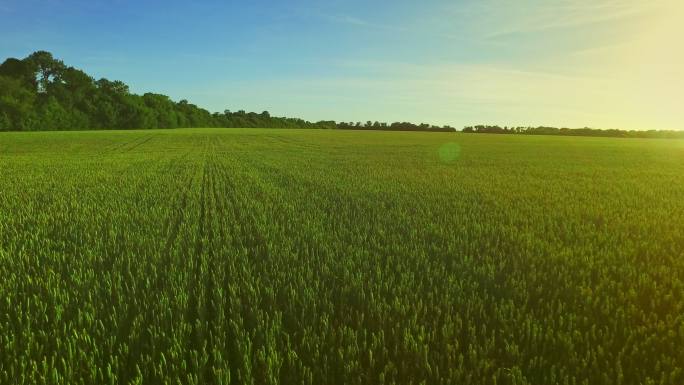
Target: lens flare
449	152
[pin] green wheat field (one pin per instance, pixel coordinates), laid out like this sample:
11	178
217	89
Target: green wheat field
265	256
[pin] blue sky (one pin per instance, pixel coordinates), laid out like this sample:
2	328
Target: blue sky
576	63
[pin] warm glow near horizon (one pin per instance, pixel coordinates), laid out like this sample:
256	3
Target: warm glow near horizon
605	64
659	57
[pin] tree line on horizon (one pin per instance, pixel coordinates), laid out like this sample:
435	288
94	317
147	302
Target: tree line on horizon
541	130
40	92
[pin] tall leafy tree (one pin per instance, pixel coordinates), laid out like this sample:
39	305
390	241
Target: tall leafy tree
46	69
16	105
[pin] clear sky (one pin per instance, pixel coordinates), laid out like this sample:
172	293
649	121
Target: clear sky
573	63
